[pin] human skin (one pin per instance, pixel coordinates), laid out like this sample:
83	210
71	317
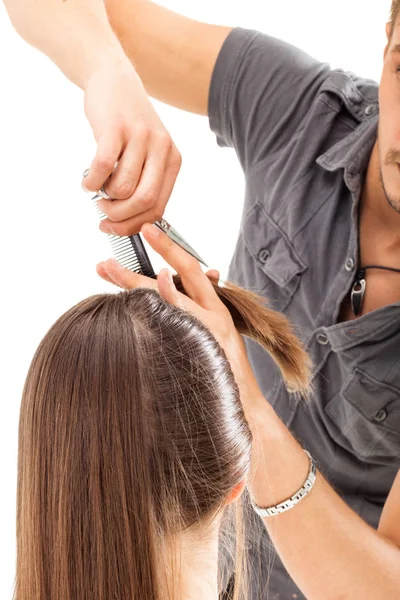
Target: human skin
78	37
341	556
329	551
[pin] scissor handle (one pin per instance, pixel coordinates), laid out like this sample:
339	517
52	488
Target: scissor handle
163	225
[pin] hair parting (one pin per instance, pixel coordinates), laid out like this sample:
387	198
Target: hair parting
131	434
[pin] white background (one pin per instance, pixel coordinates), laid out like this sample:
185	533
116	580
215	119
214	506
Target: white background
49	241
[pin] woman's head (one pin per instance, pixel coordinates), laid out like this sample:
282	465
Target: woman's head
131	434
131	431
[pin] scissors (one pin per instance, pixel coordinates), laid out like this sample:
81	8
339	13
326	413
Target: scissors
165	227
178	239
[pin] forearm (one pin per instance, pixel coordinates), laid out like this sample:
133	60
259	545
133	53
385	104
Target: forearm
329	551
173	55
75	34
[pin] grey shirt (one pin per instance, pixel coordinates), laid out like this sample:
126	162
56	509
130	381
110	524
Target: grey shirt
303	134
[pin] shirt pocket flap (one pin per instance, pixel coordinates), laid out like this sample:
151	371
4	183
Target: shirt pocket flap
365	419
270	247
377	401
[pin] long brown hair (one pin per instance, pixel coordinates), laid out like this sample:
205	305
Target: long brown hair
131	431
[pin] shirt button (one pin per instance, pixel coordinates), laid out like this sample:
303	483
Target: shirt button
349	265
264	255
370	109
381	415
322	339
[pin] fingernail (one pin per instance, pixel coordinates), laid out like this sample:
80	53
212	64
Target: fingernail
107	228
113	268
115	264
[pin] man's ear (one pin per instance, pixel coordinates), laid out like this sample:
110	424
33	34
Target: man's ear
236	492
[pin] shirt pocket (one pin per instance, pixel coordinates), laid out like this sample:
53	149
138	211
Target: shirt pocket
366	418
266	261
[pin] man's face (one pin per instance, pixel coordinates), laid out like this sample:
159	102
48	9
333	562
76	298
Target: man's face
389	120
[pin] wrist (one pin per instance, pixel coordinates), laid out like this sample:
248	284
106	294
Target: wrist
273	481
100	58
289	503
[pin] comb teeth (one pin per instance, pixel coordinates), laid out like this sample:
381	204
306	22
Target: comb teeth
128	251
124	253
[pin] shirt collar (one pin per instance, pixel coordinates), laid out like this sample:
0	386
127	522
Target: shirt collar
353	152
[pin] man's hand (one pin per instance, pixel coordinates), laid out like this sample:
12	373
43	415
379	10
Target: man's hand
78	37
201	300
128	132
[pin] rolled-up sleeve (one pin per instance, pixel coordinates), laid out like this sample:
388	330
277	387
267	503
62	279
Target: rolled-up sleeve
261	92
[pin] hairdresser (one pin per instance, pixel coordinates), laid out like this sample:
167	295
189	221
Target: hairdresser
319	238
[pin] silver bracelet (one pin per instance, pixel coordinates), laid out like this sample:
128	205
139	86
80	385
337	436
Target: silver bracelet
295	499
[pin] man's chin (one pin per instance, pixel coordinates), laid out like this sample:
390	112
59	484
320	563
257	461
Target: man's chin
394	202
392	189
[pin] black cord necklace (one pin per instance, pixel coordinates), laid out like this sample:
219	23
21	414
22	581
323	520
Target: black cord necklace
360	282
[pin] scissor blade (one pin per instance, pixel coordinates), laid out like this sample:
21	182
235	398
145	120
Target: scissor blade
178	239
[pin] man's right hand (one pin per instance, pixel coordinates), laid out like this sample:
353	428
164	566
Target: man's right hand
82	43
200	299
174	57
129	132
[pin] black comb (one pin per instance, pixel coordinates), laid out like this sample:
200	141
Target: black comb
129	251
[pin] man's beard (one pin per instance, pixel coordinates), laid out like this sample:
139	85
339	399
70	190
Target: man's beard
391	200
392	158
